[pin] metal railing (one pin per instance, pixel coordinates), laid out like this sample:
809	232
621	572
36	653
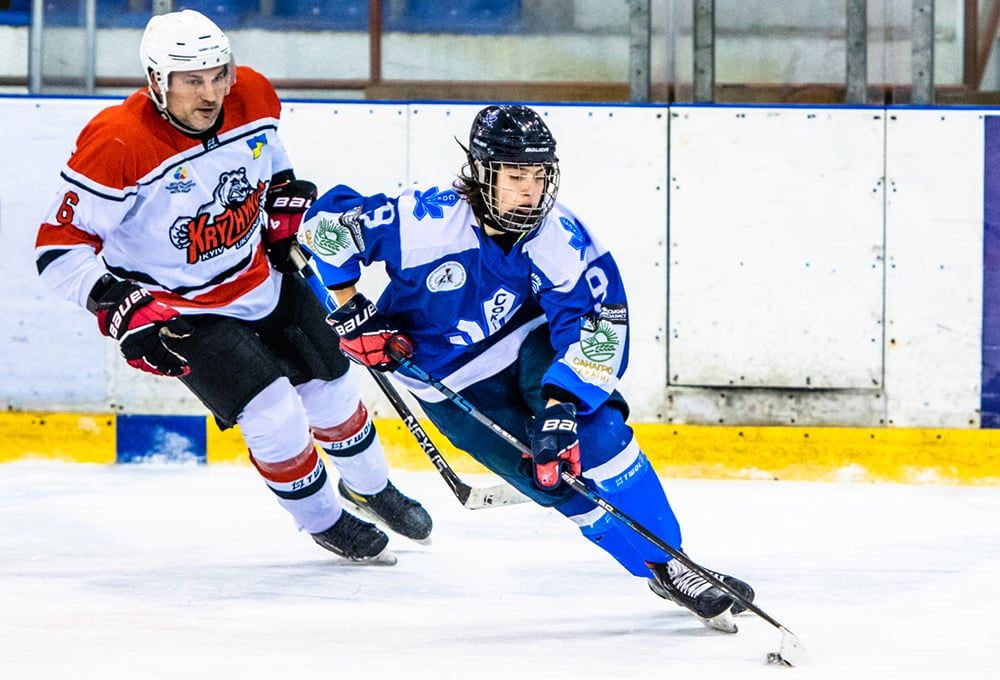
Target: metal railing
976	50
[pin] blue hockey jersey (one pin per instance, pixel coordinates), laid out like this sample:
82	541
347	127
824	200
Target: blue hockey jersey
466	303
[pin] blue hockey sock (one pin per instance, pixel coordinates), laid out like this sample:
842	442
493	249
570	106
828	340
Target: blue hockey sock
641	497
609	536
645	501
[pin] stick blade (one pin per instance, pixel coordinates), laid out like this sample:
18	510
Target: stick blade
494	497
791	652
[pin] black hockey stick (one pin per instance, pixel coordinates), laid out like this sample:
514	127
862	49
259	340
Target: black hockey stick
791	651
472	498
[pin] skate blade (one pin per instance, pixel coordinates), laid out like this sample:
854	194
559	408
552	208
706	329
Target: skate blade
377	521
386	558
722	622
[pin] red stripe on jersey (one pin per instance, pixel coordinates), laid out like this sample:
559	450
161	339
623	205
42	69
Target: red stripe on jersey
344	431
224	293
286	471
66	235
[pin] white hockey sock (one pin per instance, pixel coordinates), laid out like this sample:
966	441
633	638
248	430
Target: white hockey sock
276	430
303	488
354	448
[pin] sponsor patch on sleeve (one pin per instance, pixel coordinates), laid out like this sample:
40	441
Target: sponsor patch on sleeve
598	355
332	238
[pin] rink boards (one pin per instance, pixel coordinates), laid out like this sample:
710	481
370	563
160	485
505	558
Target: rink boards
827	275
688	451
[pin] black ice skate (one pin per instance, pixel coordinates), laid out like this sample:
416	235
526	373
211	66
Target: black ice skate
356	540
674	581
391	508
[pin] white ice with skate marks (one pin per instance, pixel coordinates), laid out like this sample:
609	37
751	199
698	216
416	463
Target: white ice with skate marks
167	572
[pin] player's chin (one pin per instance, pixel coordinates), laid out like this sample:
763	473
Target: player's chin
205	118
519	215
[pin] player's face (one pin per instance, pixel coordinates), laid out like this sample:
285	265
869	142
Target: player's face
519	188
194	98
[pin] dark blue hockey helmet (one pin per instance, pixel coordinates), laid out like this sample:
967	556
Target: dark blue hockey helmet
512	135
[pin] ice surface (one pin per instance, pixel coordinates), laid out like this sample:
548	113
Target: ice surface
190	572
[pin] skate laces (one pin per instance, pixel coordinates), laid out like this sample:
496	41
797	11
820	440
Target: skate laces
685	580
390	501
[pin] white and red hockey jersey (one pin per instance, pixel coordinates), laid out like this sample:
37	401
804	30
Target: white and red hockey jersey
181	216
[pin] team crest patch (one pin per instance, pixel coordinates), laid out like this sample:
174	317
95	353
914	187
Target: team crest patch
257	144
601	344
181	183
448	276
330	237
578	239
229	220
498	309
433	202
598	355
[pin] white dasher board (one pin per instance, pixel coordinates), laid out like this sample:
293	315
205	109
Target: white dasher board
776	247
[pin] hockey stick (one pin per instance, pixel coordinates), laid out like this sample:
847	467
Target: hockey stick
472	498
791	652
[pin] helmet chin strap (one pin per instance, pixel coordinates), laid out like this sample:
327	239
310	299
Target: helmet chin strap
167	116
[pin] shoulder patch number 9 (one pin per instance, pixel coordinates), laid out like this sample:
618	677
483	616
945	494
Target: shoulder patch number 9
384	214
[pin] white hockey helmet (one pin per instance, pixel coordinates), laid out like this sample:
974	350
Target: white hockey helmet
181	41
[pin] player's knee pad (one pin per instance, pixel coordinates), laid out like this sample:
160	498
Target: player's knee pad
276	430
609	454
616	472
274	423
329	402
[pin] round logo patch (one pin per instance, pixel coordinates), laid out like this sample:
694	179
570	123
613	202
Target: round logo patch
601	345
448	276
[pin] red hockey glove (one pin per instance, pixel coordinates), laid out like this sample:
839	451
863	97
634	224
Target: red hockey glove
140	324
286	202
364	333
554	446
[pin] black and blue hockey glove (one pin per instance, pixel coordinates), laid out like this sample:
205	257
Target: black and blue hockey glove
554	446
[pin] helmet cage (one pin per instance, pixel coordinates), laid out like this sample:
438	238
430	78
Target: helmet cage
519	221
506	136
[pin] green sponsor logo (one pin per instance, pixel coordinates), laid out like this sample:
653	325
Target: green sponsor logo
601	345
330	237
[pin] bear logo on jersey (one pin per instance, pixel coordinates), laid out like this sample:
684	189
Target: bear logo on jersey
448	276
228	221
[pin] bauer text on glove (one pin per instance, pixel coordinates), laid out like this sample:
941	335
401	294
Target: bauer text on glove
365	334
287	201
554	446
141	324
